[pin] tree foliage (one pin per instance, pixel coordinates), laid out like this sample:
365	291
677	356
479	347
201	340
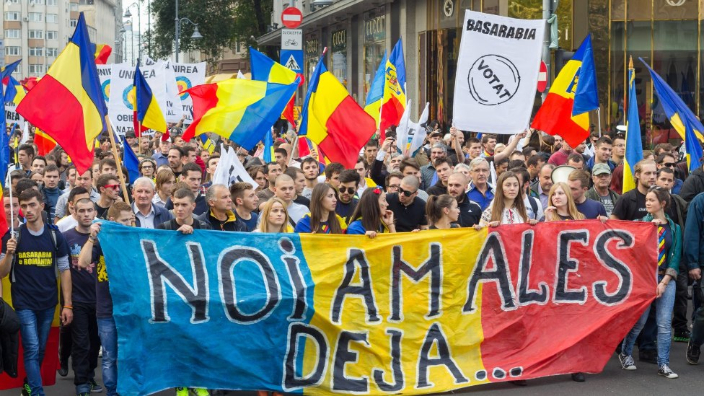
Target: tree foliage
220	22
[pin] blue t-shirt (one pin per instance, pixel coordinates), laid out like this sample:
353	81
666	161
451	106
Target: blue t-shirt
82	280
103	298
34	269
251	223
591	209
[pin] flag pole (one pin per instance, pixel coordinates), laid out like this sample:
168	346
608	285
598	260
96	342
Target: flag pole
139	127
8	182
598	118
118	161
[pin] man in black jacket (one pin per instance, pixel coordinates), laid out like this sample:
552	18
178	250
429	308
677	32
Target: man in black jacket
221	216
184	202
470	212
693	185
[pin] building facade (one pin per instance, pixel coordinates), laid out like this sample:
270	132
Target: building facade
665	33
36	31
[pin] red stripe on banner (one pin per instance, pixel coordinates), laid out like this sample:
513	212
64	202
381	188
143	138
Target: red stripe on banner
49	365
562	335
73	134
349	129
555	118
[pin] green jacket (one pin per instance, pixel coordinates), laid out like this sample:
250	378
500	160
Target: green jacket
673	255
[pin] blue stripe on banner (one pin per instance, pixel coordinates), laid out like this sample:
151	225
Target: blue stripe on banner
250	352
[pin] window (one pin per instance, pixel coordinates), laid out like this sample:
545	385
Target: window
52	52
51	2
74	22
12	1
74	6
36	69
36	51
39	2
36	34
13	51
12	16
12	33
35	16
53	18
52	35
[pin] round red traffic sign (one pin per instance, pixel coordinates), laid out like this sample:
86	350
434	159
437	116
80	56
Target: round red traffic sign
542	77
292	17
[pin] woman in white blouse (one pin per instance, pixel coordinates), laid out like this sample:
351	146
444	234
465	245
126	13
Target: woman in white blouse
507	207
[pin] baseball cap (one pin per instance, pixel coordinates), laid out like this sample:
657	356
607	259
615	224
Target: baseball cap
600	169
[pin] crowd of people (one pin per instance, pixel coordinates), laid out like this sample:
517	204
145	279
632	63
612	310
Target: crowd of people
456	180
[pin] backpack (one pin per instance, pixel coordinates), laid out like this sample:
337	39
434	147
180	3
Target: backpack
534	206
53	231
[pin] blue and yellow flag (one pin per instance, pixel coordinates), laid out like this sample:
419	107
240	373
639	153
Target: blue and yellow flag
693	148
148	111
376	92
571	96
207	143
266	69
634	145
675	109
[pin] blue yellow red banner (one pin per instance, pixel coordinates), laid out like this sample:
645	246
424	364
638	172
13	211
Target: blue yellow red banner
411	313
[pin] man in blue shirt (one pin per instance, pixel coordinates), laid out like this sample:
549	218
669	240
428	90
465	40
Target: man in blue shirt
578	181
480	191
33	259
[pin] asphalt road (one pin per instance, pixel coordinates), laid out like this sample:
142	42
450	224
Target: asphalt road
612	381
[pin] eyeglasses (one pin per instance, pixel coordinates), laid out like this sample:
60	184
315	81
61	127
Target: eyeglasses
392	186
405	192
112	186
348	190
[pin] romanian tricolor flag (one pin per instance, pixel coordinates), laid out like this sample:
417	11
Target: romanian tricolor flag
376	92
102	53
44	142
572	95
148	114
333	120
238	110
634	145
68	102
676	110
393	104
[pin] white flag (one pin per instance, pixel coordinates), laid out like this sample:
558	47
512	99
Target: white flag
230	170
497	73
240	75
420	132
25	133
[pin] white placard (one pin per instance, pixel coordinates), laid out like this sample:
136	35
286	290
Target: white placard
291	39
188	76
497	73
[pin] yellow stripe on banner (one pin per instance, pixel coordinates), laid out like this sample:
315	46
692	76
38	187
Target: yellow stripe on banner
565	84
322	104
66	71
234	96
154	119
465	330
629	182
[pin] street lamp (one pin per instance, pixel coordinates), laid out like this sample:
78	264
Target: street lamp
196	34
128	14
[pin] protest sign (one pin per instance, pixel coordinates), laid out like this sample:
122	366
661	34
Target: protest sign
11	114
188	76
121	104
401	313
497	73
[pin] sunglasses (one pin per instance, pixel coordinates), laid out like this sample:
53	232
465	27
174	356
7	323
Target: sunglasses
112	186
668	164
348	190
405	192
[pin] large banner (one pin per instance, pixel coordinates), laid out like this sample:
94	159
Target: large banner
410	313
188	76
497	73
121	103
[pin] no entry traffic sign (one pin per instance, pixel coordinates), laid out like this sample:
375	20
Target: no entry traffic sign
542	77
292	17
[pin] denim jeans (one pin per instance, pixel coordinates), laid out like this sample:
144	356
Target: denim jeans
35	326
108	337
663	312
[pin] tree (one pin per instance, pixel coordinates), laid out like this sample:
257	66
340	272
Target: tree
220	22
215	24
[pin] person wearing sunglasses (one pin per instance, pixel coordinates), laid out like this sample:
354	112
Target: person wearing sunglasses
408	209
109	188
668	160
346	201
